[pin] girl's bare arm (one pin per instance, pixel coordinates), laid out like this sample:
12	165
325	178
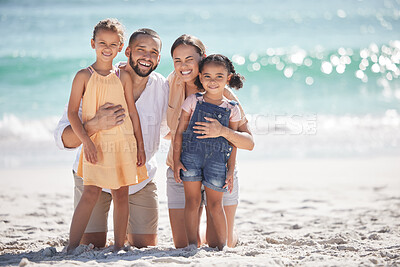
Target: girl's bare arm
77	91
177	144
133	114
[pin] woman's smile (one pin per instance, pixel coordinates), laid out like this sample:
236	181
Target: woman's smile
186	62
186	72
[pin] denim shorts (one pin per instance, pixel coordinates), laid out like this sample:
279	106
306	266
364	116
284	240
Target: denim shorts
176	192
205	162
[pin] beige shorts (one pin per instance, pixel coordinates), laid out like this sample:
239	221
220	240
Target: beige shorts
143	206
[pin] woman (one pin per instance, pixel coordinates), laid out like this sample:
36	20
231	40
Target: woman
186	52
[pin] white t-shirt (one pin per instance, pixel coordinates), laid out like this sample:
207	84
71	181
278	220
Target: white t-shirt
152	109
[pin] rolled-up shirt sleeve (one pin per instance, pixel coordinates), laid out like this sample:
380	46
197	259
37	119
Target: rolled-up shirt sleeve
62	124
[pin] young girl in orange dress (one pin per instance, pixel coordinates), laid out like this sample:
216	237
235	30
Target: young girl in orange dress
112	159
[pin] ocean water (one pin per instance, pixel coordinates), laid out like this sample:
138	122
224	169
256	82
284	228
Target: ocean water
322	77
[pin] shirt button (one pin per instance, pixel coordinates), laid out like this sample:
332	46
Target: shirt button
219	116
230	149
228	154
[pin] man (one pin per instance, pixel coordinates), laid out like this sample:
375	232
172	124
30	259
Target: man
150	91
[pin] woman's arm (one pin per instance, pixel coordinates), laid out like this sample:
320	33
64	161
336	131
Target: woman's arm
231	161
78	88
168	136
242	138
133	114
177	141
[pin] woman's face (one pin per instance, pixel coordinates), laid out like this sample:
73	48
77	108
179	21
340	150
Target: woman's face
186	62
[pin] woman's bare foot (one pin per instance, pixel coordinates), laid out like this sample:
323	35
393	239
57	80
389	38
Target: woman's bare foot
234	240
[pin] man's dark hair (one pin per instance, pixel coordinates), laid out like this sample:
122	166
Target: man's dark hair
144	31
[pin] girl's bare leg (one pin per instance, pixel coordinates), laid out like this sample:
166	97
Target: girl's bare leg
211	235
121	213
82	214
192	205
214	205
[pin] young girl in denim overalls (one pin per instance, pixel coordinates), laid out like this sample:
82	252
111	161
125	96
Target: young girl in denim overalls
211	161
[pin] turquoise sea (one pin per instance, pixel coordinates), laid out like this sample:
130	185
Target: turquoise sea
322	77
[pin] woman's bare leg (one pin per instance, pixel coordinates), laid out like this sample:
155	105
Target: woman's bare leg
230	212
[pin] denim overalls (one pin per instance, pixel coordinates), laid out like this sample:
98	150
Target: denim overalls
205	159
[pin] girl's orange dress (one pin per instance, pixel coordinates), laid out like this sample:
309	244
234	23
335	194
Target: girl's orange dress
116	147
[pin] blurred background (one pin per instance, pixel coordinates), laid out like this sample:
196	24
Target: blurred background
322	77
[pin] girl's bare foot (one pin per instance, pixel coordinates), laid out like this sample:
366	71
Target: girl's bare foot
70	250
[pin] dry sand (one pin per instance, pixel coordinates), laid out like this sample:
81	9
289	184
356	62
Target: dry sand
322	212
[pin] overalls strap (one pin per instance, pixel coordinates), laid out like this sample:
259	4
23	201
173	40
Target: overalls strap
199	97
233	102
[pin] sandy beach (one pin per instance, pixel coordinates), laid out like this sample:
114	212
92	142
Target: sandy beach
292	212
321	94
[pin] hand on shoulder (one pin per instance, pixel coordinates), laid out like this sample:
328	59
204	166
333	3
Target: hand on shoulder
121	65
228	93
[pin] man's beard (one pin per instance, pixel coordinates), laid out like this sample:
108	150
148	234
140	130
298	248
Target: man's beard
137	70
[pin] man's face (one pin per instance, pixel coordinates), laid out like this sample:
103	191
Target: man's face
144	54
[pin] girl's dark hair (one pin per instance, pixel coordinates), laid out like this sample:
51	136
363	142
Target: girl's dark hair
236	80
186	39
111	25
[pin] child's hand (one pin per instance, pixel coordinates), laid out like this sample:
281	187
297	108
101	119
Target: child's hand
178	166
141	158
229	180
90	151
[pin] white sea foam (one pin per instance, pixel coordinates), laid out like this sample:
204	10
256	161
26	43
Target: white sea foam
31	130
31	142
